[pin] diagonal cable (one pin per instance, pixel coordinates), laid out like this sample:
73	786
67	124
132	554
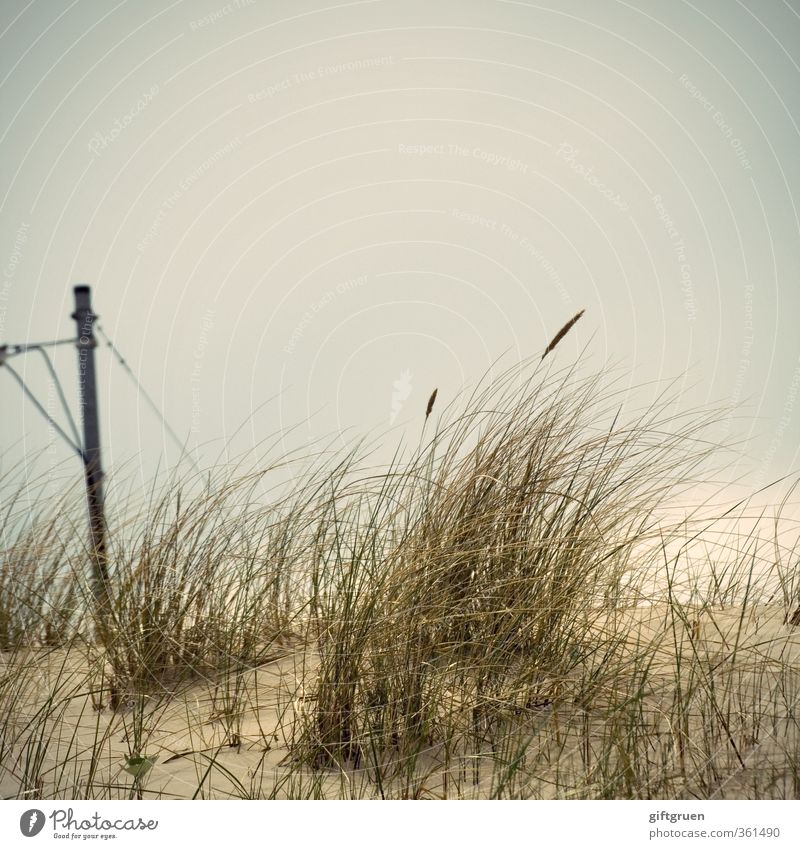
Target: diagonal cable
152	404
24	347
75	447
60	391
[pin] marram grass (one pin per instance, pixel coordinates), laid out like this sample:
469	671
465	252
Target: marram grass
507	611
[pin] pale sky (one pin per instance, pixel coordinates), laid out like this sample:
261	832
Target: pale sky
299	213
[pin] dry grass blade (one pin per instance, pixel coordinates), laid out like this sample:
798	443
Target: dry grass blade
562	333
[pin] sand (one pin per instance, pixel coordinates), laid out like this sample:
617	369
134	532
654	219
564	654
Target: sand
741	741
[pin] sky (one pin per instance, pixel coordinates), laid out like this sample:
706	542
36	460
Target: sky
301	217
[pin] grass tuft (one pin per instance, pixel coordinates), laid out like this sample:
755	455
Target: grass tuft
510	610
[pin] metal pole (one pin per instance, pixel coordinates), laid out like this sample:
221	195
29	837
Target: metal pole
86	344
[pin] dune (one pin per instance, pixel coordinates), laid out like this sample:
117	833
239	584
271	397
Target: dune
715	692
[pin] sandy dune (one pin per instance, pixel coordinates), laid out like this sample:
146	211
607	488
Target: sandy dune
222	739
